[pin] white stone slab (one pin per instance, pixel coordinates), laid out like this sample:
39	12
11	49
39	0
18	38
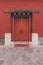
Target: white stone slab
21	42
35	39
7	38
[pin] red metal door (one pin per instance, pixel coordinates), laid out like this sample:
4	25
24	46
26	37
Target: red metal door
21	29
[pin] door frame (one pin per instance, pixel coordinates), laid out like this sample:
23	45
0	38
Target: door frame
29	16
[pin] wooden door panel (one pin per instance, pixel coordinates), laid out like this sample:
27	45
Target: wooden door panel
25	28
17	37
25	24
17	29
21	30
25	37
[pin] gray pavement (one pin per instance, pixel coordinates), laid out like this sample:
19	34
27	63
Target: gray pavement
21	55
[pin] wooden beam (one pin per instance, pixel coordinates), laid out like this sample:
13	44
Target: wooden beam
21	11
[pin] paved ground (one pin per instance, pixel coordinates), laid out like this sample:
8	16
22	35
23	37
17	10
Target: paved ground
21	56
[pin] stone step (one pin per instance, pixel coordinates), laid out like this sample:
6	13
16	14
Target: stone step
21	45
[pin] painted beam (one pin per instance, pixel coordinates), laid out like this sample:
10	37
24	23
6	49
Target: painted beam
21	11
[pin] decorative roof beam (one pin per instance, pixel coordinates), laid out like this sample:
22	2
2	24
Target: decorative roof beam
21	11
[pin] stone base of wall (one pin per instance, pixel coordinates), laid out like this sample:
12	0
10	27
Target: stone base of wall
35	40
2	41
33	43
40	40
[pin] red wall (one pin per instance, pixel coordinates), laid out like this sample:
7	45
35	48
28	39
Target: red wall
37	21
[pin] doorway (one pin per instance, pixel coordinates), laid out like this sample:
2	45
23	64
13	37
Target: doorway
21	29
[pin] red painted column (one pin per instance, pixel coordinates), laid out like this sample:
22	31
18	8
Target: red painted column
12	28
30	27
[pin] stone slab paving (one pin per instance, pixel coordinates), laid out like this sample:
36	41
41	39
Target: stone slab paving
21	55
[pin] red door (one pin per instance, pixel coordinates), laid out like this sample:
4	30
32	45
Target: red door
21	29
25	29
17	28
